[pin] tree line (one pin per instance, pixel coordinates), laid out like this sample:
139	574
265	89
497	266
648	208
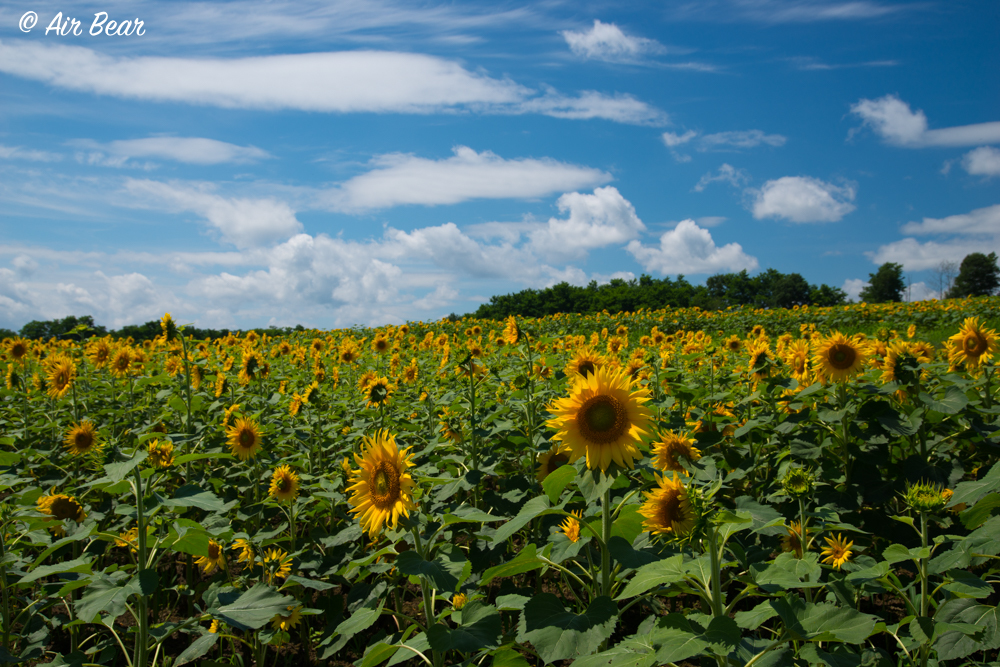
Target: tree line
84	327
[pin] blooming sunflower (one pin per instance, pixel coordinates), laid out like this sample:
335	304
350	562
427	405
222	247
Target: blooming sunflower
511	332
838	357
348	353
244	438
797	358
837	550
378	392
121	362
550	461
129	538
667	509
245	547
61	506
214	559
380	344
284	484
61	373
13	377
100	353
668	451
161	454
603	419
18	348
381	489
760	354
972	345
571	526
168	326
82	438
411	372
277	565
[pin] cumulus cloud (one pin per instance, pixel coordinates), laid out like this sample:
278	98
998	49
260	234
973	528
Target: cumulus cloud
594	221
852	287
189	150
243	222
726	173
334	82
960	235
801	199
892	119
689	249
407	179
606	41
983	161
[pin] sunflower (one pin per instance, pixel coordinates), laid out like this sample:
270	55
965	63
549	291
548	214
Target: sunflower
571	526
584	362
214	559
837	357
511	332
121	362
61	373
380	344
378	392
348	353
793	541
459	600
243	438
82	438
972	345
411	372
251	368
295	405
289	621
245	547
667	508
277	565
616	344
550	461
129	538
365	379
837	551
161	454
603	419
100	353
284	484
61	506
760	355
168	326
18	348
797	358
13	377
733	343
221	385
381	489
670	448
899	355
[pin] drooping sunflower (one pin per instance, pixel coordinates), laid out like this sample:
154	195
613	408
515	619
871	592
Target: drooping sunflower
899	355
244	438
511	332
604	419
793	540
837	357
214	559
837	550
670	448
61	373
972	345
161	454
284	484
252	367
277	565
295	405
550	461
667	509
381	489
760	354
61	506
82	438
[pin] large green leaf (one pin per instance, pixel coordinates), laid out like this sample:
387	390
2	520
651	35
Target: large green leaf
197	649
656	574
557	480
823	621
558	634
191	495
957	644
628	524
525	561
970	492
255	607
106	595
446	572
788	572
77	565
952	403
480	629
531	509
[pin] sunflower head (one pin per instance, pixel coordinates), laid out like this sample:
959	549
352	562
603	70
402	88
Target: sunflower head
551	461
837	550
62	507
667	509
61	373
169	327
289	619
381	489
798	482
571	526
512	332
972	345
284	484
378	392
925	497
243	437
671	448
82	438
214	559
838	357
603	419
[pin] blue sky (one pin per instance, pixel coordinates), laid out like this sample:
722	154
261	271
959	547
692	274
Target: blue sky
362	162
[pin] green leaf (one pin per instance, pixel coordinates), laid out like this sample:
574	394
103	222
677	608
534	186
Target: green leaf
823	621
957	644
509	658
480	629
954	401
81	564
967	584
115	472
188	537
190	495
197	649
788	572
753	619
922	629
255	607
557	480
895	553
558	634
9	458
446	572
105	595
379	653
592	483
970	492
977	515
359	621
656	574
628	524
526	561
531	509
471	515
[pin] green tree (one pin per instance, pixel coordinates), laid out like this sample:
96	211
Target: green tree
885	285
978	275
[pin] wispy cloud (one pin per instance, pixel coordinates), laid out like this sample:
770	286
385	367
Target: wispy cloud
189	150
958	235
19	153
726	174
719	141
788	11
892	119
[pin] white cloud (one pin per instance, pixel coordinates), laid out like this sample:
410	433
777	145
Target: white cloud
601	219
606	41
980	221
18	153
983	161
671	139
740	139
784	11
334	82
406	179
920	292
802	199
916	256
243	222
690	249
898	125
189	150
726	173
852	287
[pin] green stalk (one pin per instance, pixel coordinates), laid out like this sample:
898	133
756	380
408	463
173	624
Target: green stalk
427	596
716	592
6	594
142	640
606	536
187	389
924	596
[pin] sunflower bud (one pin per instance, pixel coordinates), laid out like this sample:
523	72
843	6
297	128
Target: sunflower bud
798	482
925	497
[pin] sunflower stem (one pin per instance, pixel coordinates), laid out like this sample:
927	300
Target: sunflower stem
142	639
606	536
924	597
426	592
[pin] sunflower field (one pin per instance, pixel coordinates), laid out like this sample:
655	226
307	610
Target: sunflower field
816	486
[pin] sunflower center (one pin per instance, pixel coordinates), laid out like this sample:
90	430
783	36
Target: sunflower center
670	509
603	420
246	438
65	508
586	368
83	440
842	356
385	485
973	346
213	551
557	461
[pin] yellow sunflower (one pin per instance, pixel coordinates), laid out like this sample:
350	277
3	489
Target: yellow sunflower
667	509
243	438
82	438
18	348
161	454
797	358
551	461
793	541
837	357
837	550
381	489
215	558
245	547
760	354
972	345
100	352
671	448
378	392
121	362
571	526
284	484
61	506
61	373
511	332
412	372
277	565
287	622
603	419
